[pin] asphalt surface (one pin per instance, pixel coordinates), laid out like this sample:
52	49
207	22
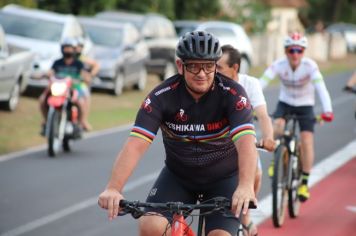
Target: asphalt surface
44	196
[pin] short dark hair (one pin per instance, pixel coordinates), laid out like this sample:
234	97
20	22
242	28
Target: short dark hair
234	55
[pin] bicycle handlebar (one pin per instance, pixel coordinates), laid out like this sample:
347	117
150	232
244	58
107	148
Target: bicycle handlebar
219	203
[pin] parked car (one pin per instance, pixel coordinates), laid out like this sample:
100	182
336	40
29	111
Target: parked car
160	36
14	73
184	26
41	32
121	53
234	34
348	31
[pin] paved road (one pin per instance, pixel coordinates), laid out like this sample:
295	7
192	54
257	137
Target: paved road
42	196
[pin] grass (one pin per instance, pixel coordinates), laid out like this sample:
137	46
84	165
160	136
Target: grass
20	129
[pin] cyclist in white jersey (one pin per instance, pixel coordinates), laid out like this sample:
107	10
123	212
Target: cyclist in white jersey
300	77
229	65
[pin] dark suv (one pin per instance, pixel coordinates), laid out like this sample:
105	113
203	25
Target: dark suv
159	34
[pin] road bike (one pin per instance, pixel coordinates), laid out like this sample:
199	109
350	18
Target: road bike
179	225
287	170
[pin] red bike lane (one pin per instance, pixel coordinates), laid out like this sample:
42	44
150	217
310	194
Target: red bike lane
331	210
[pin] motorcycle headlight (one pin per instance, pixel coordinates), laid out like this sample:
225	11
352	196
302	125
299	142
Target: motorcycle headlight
58	89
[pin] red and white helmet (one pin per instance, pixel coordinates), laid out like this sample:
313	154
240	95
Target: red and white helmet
296	39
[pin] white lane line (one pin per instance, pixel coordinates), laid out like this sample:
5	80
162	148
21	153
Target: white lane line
13	155
320	171
75	208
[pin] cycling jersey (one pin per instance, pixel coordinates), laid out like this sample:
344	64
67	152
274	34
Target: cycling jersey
198	135
297	87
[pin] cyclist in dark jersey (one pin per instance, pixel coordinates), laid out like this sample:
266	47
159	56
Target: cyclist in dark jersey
208	135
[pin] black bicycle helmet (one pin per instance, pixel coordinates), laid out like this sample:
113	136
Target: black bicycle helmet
199	45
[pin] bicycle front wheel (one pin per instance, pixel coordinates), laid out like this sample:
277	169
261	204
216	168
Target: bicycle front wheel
280	185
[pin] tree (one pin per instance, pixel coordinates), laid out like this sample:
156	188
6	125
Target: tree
329	11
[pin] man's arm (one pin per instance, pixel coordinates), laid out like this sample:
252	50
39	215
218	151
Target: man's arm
124	165
247	162
265	124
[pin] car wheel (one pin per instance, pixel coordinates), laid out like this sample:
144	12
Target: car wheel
169	70
142	80
244	65
118	84
13	101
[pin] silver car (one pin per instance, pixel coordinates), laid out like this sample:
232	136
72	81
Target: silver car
121	53
41	32
234	34
14	72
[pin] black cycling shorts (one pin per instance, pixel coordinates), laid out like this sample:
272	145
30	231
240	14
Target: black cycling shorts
306	114
170	188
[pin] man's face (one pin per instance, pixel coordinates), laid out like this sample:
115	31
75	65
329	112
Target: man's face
223	67
198	74
294	55
69	52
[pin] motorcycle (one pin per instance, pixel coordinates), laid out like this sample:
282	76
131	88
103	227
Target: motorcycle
62	119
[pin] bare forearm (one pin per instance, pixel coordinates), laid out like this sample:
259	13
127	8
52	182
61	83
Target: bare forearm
247	160
266	127
126	162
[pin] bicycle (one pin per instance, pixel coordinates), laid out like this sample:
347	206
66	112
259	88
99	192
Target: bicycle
179	225
287	171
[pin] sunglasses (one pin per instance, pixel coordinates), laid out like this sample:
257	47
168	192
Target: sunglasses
295	50
195	68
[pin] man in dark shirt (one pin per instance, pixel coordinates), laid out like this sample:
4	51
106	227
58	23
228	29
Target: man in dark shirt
208	137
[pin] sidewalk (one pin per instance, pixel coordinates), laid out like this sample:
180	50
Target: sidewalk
331	211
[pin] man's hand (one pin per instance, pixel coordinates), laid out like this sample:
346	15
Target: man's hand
241	199
327	116
109	200
268	144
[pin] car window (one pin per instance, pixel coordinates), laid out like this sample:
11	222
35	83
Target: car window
220	32
105	36
31	27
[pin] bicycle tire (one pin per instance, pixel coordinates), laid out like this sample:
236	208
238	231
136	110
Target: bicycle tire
279	185
293	200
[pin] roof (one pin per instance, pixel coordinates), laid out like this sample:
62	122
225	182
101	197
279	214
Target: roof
286	3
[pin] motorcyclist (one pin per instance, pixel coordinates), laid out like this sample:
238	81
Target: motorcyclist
66	66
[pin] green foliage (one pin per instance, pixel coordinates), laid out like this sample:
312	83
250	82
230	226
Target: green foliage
196	10
329	11
26	3
253	15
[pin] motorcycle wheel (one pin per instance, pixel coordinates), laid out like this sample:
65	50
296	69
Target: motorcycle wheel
53	121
